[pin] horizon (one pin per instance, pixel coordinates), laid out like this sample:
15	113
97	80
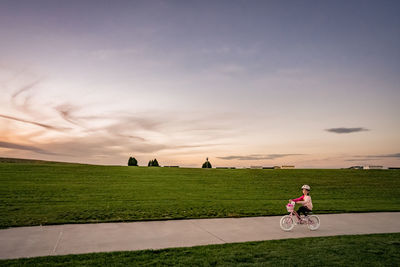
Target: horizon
311	84
199	167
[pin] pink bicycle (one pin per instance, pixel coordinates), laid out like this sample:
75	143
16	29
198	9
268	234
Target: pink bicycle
289	221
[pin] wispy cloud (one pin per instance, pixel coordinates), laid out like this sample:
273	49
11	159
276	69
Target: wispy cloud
66	111
24	88
395	155
358	160
230	69
343	130
119	126
258	156
94	131
144	126
21	97
233	50
104	54
93	145
46	126
117	134
374	157
25	147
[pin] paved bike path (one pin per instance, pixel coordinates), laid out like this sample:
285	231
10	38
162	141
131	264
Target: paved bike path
104	237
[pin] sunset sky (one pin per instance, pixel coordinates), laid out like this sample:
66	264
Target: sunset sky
307	83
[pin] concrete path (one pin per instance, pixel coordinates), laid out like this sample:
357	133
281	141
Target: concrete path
84	238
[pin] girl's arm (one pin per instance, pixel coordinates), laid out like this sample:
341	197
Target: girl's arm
298	199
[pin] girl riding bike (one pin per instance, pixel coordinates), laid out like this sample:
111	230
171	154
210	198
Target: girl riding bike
287	222
304	200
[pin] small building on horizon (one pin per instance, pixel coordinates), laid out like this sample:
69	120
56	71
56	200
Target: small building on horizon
356	167
373	167
256	167
367	167
287	167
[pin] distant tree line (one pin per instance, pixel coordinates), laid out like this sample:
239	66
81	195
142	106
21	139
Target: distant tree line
207	164
132	162
154	163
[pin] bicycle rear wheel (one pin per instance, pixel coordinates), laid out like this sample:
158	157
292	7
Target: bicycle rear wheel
313	222
287	223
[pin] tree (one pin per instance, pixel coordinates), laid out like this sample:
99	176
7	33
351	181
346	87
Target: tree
153	163
207	164
132	162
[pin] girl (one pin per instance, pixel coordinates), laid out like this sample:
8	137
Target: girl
305	200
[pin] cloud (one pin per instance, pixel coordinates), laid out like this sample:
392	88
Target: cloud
66	111
144	127
396	155
23	92
117	125
110	134
23	89
94	145
25	147
232	50
343	130
46	126
121	134
258	157
360	159
230	69
374	157
105	54
128	126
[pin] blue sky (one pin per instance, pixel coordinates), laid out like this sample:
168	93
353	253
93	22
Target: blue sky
241	82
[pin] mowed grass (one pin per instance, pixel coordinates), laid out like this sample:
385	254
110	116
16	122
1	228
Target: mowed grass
356	250
56	193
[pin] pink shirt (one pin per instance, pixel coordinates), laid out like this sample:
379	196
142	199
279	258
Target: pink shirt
305	201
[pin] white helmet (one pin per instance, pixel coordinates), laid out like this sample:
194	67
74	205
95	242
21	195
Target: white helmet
306	187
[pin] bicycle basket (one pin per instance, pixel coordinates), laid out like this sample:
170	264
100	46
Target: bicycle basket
290	207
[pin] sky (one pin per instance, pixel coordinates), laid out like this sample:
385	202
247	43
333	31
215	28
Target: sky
315	84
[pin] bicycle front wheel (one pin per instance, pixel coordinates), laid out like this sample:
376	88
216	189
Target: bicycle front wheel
287	223
313	222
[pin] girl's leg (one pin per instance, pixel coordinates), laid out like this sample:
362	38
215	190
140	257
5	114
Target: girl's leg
301	210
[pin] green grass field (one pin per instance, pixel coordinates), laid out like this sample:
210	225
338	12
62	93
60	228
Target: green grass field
356	250
34	193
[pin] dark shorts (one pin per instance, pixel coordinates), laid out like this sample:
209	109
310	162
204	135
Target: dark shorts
303	210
